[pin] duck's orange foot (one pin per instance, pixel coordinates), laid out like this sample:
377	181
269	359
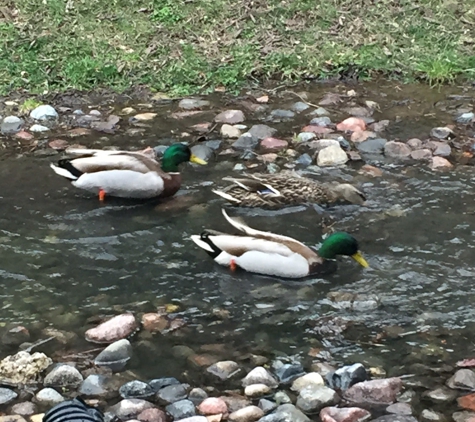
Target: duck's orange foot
232	265
102	194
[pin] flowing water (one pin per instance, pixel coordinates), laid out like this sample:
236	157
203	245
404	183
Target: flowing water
65	257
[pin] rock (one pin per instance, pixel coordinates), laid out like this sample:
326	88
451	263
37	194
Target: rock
319	130
273	144
181	409
395	418
361	135
331	156
464	416
15	336
343	378
288	372
396	149
414	143
192	103
245	141
194	419
282	114
79	131
268	158
465	118
49	397
262	131
142	117
24	135
421	154
63	376
441	133
320	144
259	375
212	406
44	112
10	125
229	131
310	379
159	383
320	111
114	329
380	126
239	167
37	418
15	418
115	356
99	386
346	414
267	405
108	126
202	151
58	144
202	127
441	395
246	414
25	408
235	402
359	111
440	163
23	367
152	415
286	413
372	146
467	402
321	121
431	416
304	160
354	156
257	390
382	391
299	106
439	148
154	322
463	379
315	397
305	136
214	144
399	409
39	128
127	110
136	390
230	117
172	393
197	396
7	395
351	124
130	408
322	368
281	397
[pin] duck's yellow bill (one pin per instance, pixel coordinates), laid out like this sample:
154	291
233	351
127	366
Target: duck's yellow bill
195	159
360	260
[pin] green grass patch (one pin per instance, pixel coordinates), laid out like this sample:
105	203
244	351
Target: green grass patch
196	45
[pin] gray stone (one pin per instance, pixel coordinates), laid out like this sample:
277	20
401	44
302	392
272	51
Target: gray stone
172	393
320	144
159	383
94	386
441	149
257	390
246	414
115	356
78	112
267	406
246	141
262	131
181	409
259	375
129	408
315	397
230	117
239	167
320	111
192	103
11	124
63	376
346	414
399	409
286	413
421	154
44	112
136	390
396	149
194	419
26	408
214	144
300	106
202	151
7	395
224	369
304	160
463	379
306	136
48	396
372	146
414	143
379	391
281	397
95	113
282	114
197	395
311	379
441	133
428	415
441	395
287	372
343	378
321	121
465	118
331	156
464	416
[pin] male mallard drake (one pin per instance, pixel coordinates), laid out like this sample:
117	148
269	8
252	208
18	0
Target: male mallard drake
127	174
272	254
276	190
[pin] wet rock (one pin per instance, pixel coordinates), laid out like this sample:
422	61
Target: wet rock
463	379
239	167
214	144
15	336
235	402
440	163
286	413
441	395
465	118
142	117
354	156
287	372
115	356
374	392
395	418
399	409
259	375
44	112
358	111
464	416
305	136
63	376
431	416
319	130
114	329
107	126
38	128
192	103
282	114
152	415
321	121
322	368
154	322
10	125
396	149
229	131
361	135
23	367
347	376
310	379
7	395
304	160
181	409
202	151
414	143
213	406
24	135
25	408
194	419
421	154
273	144
262	131
380	126
467	402
58	144
48	396
315	397
257	390
224	369
230	117
346	414
197	396
320	144
95	113
79	131
320	111
331	156
267	406
441	149
441	133
246	141
246	414
268	158
127	110
136	390
281	397
99	386
159	383
351	124
299	106
372	146
172	393
130	408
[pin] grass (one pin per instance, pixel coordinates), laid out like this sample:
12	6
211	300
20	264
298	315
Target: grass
189	46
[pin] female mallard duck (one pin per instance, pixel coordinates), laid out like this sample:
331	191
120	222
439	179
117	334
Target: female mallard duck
127	174
272	254
276	190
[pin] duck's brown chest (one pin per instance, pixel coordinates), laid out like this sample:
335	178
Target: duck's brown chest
171	186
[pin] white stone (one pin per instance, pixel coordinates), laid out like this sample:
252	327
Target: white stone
331	156
313	378
44	112
257	390
38	128
230	131
49	396
259	375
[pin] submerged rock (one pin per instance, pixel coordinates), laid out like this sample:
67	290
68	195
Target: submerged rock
23	367
130	408
224	369
396	149
343	378
99	386
440	163
114	329
63	376
159	383
346	414
399	409
382	391
288	371
172	393
26	408
463	379
115	356
441	395
192	103
331	156
197	396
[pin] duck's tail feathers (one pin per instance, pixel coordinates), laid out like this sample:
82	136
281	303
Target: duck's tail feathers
238	223
66	169
226	196
204	242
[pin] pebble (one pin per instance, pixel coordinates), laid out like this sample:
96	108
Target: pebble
43	112
259	375
239	167
395	418
181	409
380	126
224	369
286	413
375	391
97	386
159	383
441	132
172	393
229	131
115	356
25	408
421	154
10	125
322	368
154	322
359	111
235	402
319	144
267	406
428	415
38	128
396	149
440	163
192	103
315	397
125	110
463	379
372	146
197	395
319	130
320	111
331	156
24	135
343	378
130	408
287	372
95	113
465	118
351	124
282	114
439	148
281	397
230	117
142	117
299	106
273	144
16	418
304	160
136	390
399	409
346	414
63	376
202	151
306	136
262	131
194	419
114	329
48	396
307	380
7	395
152	415
414	143
246	141
257	390
212	406
58	144
441	395
246	414
361	135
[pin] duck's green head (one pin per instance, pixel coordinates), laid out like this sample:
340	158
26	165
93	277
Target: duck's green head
176	154
341	243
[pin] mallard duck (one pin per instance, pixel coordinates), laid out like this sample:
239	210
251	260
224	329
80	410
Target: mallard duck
276	190
273	254
127	174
